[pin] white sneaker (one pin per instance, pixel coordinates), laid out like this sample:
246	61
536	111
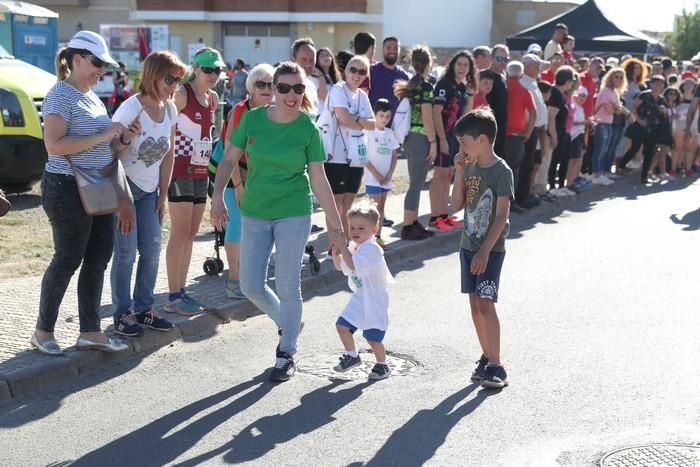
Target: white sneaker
634	164
569	192
607	180
612	176
599	180
560	192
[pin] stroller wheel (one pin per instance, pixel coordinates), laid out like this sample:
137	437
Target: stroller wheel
211	267
219	265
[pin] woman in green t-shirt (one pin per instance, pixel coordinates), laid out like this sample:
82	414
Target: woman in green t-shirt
285	161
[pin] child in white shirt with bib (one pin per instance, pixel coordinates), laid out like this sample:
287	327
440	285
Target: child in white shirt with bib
368	277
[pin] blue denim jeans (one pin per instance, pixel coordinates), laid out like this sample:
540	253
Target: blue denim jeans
289	236
601	147
146	238
80	241
615	137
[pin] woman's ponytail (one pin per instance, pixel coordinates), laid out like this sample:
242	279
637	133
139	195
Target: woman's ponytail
62	65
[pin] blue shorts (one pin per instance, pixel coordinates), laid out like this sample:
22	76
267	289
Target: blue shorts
233	225
372	335
484	285
375	190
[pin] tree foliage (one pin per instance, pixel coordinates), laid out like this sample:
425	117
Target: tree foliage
684	41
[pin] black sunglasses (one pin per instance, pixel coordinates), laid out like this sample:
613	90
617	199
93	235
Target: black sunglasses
209	70
500	58
359	71
284	88
264	84
96	62
170	80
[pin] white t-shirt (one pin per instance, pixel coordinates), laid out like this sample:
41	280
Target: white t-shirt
381	145
312	92
368	307
357	104
577	129
147	150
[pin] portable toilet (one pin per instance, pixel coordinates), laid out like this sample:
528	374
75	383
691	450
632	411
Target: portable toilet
29	32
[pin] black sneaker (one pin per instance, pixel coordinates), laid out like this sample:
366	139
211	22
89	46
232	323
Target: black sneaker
316	228
495	377
411	232
478	373
151	319
380	371
420	227
127	325
284	368
347	363
387	222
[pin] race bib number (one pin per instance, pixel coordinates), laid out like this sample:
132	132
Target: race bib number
201	153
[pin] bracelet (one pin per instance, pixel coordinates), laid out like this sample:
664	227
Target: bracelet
121	140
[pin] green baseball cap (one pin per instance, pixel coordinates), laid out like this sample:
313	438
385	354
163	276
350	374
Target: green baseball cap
208	59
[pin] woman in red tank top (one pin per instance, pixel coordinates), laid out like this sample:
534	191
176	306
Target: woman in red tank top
196	104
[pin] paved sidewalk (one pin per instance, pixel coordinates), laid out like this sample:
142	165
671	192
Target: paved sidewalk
23	371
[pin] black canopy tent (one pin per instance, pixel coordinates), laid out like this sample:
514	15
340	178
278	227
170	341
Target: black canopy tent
593	31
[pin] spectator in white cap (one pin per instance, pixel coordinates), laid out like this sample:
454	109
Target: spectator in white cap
535	49
482	57
612	62
531	71
77	134
520	122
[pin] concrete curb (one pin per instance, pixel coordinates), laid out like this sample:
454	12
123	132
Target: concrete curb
52	371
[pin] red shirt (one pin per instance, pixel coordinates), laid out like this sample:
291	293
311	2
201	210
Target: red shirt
590	83
480	101
194	132
520	102
548	75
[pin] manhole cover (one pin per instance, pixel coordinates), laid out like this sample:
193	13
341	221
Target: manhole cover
321	365
654	455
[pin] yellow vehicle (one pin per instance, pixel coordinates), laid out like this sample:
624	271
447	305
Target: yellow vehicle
22	151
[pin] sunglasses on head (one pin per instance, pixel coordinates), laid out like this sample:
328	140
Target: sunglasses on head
500	58
264	84
284	88
96	62
209	70
359	71
170	80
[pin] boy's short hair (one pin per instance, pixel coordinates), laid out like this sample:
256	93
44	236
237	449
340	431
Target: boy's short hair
565	74
486	75
476	123
365	209
363	41
382	105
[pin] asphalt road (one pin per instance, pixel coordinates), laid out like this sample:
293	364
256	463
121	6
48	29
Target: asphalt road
599	311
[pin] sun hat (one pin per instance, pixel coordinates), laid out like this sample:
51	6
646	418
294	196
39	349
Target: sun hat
534	47
208	59
532	58
581	91
92	42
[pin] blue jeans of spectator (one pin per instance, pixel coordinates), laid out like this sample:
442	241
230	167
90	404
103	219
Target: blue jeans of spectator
289	236
145	237
602	146
78	239
615	137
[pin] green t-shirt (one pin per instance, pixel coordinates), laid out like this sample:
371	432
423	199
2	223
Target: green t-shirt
277	184
482	187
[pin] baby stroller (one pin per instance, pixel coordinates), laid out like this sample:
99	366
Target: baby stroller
214	265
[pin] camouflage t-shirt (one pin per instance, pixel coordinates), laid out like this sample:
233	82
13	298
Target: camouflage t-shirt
423	94
482	187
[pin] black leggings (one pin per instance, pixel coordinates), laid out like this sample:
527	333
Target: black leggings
648	142
560	157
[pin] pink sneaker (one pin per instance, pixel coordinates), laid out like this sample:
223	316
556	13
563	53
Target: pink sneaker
452	222
442	225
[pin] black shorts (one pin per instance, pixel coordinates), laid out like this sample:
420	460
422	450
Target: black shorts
188	190
447	160
343	178
484	285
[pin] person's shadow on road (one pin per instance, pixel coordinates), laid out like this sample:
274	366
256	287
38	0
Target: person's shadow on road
417	440
690	219
165	439
315	410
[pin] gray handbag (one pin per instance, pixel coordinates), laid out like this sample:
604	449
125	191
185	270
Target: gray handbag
103	191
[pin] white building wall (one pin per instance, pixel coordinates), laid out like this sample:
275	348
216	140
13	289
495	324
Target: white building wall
439	23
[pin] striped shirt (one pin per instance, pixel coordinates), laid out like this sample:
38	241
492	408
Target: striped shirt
86	115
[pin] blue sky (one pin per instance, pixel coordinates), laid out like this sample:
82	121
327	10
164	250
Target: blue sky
656	15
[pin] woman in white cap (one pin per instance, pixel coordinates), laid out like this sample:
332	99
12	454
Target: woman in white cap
77	133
